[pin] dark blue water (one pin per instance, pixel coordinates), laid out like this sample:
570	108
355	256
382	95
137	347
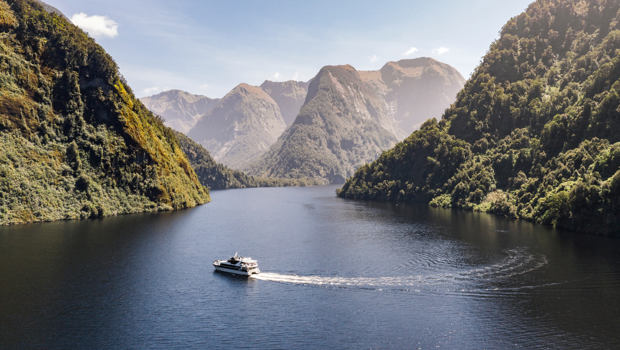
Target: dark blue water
337	274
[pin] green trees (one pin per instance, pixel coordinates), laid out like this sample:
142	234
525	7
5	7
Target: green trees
534	132
75	141
216	176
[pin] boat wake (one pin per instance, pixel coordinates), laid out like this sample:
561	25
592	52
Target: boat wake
517	262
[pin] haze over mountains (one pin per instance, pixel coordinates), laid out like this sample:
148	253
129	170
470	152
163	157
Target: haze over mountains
415	90
375	109
289	95
240	126
350	117
343	124
181	110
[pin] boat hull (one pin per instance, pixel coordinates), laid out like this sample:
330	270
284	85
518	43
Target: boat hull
234	272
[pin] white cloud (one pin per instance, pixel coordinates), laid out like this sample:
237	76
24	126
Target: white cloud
97	26
276	75
296	76
374	58
441	50
410	51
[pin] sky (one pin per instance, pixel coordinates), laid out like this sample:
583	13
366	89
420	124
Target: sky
208	47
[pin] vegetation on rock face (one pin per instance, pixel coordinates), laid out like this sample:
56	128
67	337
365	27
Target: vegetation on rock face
219	177
75	141
533	135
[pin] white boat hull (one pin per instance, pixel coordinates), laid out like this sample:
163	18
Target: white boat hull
236	272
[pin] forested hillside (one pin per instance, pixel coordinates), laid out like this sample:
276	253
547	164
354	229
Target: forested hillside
217	176
75	141
533	135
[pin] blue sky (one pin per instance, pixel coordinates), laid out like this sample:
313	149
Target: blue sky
208	47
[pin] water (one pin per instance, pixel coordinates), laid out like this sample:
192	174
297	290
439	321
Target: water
337	275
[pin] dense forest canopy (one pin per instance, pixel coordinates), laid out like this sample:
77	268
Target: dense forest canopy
217	176
75	141
535	132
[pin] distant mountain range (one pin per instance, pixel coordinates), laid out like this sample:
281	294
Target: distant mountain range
343	124
239	127
180	110
336	122
217	176
289	95
415	90
350	117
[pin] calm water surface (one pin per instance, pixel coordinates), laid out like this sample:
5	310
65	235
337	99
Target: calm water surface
337	274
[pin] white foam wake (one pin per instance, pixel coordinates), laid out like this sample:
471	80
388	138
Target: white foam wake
517	262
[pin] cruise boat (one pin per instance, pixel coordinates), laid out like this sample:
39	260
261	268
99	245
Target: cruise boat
237	265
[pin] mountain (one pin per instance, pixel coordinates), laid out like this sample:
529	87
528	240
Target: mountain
212	174
217	176
76	142
237	128
533	134
179	109
415	89
50	9
289	95
241	126
349	117
342	124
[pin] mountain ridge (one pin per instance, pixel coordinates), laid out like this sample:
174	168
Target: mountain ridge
180	110
349	117
319	144
183	115
419	88
242	125
289	95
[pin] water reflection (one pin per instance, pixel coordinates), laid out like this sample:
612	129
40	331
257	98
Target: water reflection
338	274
